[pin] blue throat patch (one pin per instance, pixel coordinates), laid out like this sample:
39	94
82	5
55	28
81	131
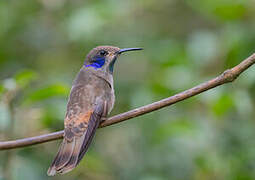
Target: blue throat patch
98	63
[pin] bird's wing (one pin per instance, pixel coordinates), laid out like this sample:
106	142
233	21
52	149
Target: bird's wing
79	130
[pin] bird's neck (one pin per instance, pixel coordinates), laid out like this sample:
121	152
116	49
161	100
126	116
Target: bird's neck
99	73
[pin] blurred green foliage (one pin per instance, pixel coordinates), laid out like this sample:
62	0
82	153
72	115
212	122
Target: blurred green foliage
211	136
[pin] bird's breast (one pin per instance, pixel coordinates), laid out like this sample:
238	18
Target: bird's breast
94	85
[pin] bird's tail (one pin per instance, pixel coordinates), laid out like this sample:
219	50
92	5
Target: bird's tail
66	157
71	153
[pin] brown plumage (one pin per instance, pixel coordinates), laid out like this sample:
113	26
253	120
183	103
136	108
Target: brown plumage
91	98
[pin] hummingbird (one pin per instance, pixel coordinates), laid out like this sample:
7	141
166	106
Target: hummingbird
90	101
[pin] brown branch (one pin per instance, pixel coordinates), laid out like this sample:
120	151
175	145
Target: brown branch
226	77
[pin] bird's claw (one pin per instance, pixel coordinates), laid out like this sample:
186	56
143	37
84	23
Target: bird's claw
103	119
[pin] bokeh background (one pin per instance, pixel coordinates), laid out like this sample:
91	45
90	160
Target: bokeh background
43	44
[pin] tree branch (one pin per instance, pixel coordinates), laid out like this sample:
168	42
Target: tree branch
226	77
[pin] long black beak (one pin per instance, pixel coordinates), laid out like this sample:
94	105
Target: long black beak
128	49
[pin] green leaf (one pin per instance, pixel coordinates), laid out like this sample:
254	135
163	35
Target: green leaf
55	90
24	78
2	89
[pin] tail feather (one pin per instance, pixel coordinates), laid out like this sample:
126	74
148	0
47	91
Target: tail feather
71	153
67	156
73	161
64	154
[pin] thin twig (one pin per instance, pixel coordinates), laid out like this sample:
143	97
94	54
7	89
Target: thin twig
226	77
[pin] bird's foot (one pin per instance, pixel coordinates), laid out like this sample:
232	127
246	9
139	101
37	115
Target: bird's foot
103	119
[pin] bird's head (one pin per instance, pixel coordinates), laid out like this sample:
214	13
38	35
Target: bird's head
104	57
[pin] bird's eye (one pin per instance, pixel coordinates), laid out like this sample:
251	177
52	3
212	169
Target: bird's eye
103	53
